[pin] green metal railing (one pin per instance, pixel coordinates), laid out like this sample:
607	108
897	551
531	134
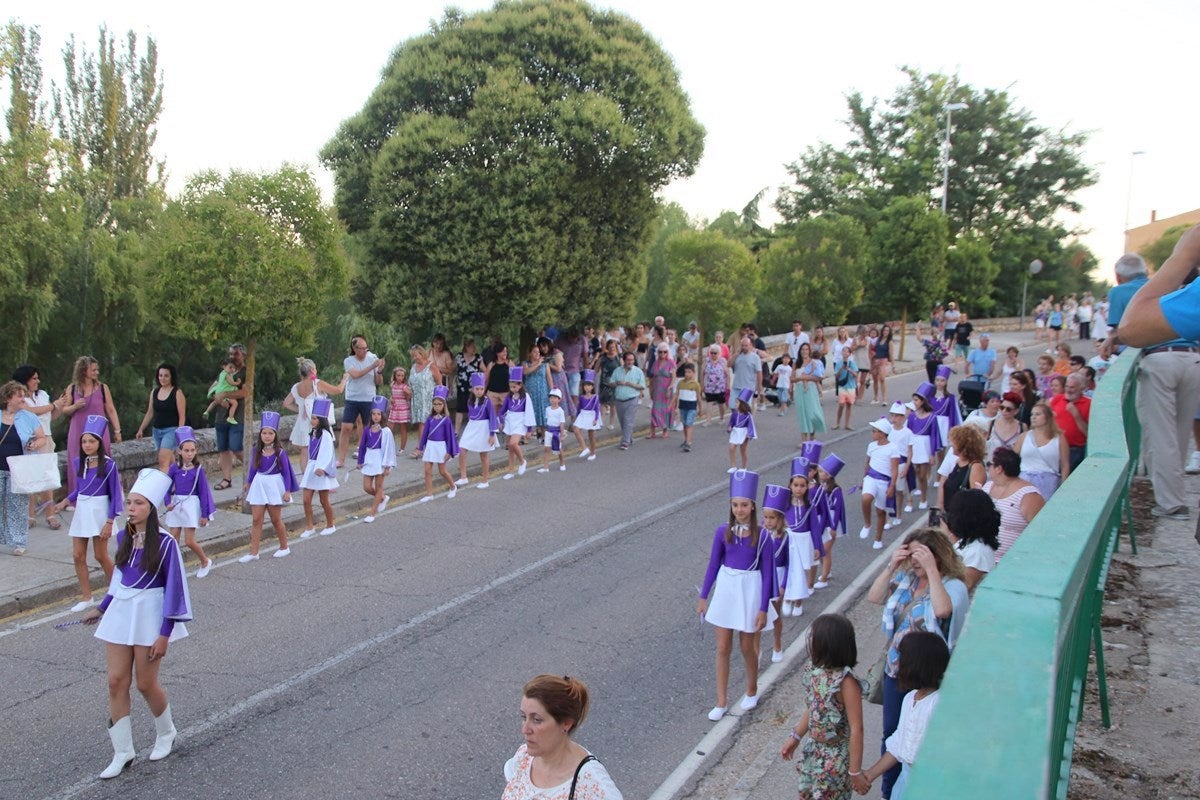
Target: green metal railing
1010	702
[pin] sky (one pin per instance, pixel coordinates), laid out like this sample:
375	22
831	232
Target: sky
252	85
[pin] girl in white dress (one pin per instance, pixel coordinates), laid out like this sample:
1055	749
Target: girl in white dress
268	487
519	419
479	434
304	392
588	418
376	457
320	475
192	504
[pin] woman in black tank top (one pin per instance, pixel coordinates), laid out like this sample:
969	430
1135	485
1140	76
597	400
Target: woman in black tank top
166	411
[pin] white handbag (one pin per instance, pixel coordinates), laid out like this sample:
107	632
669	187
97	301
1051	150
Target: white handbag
33	473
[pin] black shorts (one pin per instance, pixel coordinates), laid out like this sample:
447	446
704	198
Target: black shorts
714	397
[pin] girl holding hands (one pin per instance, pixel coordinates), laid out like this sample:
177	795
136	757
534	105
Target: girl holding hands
97	497
320	474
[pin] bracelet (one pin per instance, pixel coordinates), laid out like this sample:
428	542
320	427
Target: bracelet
797	737
855	774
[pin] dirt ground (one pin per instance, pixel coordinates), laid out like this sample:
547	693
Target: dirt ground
1149	628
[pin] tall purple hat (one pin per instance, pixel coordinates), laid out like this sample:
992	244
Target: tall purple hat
96	425
380	403
746	395
478	379
587	376
799	466
777	498
441	393
270	419
926	390
516	374
321	407
743	483
944	371
811	451
832	464
184	434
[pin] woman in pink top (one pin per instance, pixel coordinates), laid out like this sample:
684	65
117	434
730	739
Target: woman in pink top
1018	501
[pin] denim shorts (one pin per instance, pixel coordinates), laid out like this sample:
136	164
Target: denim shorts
355	410
687	416
573	383
229	437
164	438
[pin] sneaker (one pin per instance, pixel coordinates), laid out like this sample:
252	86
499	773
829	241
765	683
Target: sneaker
1193	465
592	457
383	503
797	610
935	484
626	447
916	492
508	476
1179	512
483	485
562	467
450	495
369	518
308	533
731	470
82	605
687	448
521	469
820	584
332	529
543	470
877	545
923	505
461	482
749	702
908	508
203	571
865	532
246	559
716	713
776	656
585	453
426	498
284	553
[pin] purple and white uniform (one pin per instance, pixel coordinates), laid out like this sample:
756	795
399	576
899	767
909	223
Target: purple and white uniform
270	479
191	497
97	498
438	441
835	514
946	409
800	551
321	456
741	427
926	437
741	580
518	415
376	451
141	606
479	433
588	418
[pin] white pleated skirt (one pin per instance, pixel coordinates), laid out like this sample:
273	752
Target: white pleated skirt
735	599
588	421
943	423
738	435
475	436
434	452
800	558
514	423
266	490
90	515
186	513
373	462
921	450
317	483
134	617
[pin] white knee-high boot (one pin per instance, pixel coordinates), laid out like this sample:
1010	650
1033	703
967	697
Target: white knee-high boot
164	726
121	734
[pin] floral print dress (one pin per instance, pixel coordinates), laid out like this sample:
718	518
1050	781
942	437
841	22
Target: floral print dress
824	767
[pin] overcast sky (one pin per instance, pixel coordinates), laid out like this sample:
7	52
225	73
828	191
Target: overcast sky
253	84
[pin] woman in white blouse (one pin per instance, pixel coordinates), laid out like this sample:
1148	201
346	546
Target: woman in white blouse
974	526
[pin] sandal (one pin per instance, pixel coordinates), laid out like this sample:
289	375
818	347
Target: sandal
53	522
224	483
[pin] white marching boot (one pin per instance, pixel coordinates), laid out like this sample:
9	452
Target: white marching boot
164	726
122	741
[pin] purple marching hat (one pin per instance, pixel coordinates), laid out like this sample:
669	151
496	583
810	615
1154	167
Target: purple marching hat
270	419
800	466
587	376
96	425
184	434
380	404
944	371
777	498
516	374
478	379
321	407
743	483
811	451
746	395
926	390
832	464
441	393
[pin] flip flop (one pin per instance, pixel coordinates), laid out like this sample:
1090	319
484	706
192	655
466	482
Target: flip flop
54	522
224	483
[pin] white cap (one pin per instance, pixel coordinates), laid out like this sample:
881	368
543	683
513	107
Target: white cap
153	485
556	393
898	408
882	425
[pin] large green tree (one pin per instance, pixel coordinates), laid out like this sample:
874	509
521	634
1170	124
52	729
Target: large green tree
712	279
671	219
969	265
505	168
813	271
1009	175
259	250
908	260
1160	249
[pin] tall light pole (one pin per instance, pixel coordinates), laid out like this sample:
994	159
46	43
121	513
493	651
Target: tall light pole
950	109
1129	189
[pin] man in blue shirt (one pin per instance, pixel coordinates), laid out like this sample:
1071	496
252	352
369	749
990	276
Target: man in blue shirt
983	358
1169	374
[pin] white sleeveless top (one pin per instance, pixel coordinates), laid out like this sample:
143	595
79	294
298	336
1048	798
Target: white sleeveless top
1040	459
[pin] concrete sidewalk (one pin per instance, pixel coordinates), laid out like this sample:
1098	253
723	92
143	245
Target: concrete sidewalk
46	574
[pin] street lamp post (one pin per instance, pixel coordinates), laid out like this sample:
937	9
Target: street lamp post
950	109
1035	267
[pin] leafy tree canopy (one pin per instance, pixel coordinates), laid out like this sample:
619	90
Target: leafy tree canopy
505	167
1160	249
712	279
908	256
813	271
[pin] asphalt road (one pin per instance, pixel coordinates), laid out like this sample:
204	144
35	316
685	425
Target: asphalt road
387	660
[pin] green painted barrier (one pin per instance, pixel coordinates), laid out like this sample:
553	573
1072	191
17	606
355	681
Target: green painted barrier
1010	702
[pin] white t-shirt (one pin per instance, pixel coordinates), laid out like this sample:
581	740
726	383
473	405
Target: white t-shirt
794	340
692	340
361	389
881	455
978	555
556	416
41	398
783	376
901	440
